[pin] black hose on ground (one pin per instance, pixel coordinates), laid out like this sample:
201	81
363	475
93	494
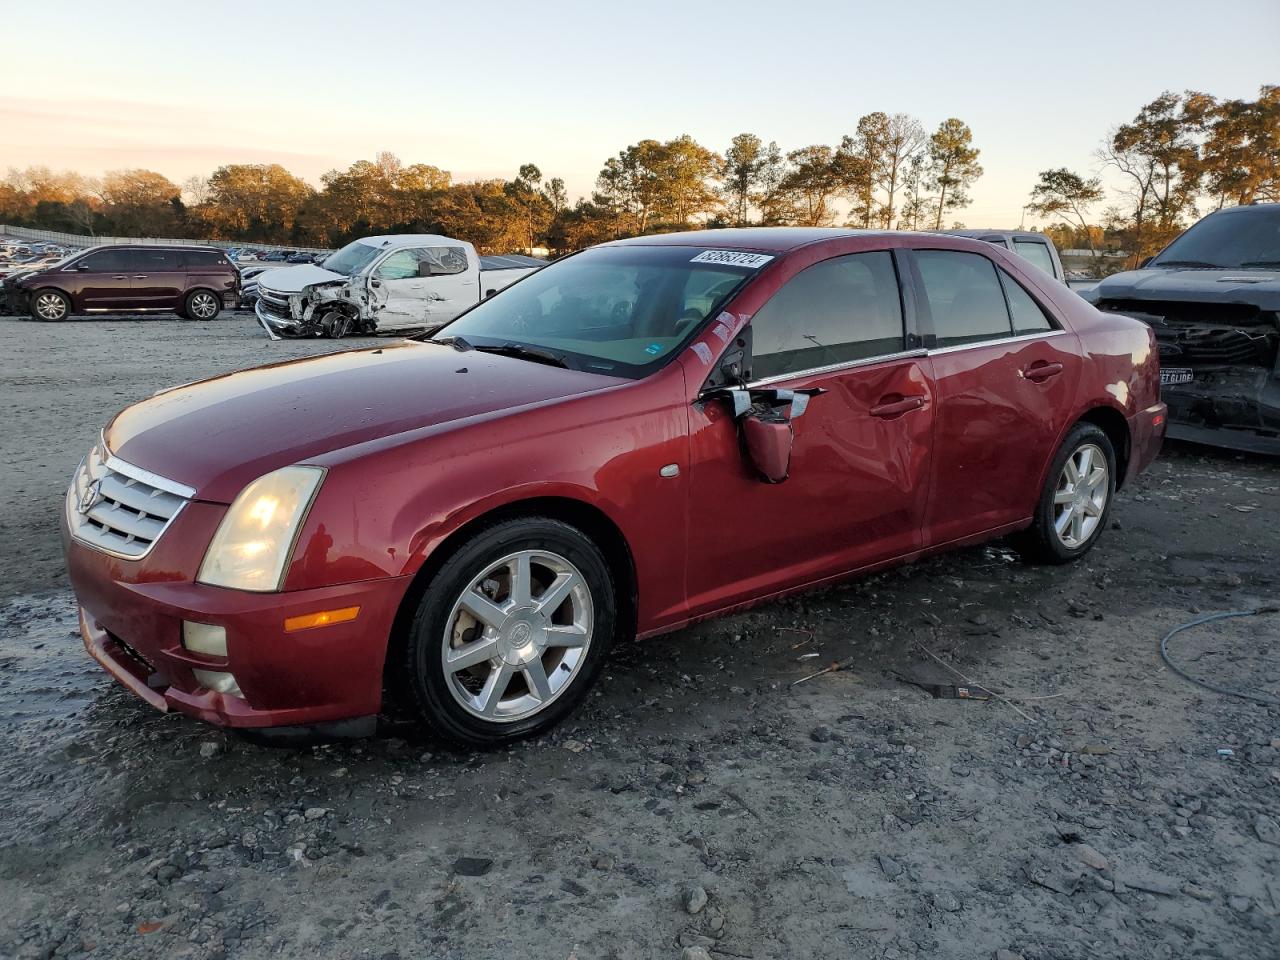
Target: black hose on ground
1209	618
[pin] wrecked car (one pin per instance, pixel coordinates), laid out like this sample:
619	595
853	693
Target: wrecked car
1213	298
640	436
389	284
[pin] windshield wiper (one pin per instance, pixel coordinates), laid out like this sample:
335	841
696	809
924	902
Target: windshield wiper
1189	263
458	343
1261	263
524	352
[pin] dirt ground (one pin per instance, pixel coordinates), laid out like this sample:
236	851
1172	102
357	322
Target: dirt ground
703	800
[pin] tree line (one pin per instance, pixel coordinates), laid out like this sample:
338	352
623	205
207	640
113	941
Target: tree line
1180	156
1179	153
889	173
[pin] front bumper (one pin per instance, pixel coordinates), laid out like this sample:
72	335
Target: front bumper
277	326
131	615
1237	407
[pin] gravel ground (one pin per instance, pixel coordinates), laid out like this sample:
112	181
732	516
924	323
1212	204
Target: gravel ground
703	804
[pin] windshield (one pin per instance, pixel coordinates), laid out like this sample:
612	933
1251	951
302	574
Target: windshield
1242	238
616	310
352	258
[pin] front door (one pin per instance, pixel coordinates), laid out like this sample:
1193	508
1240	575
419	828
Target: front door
100	280
1006	377
860	463
424	288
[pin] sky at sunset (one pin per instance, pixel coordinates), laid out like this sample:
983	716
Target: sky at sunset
479	88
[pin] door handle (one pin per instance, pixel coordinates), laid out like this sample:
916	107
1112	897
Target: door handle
887	409
139	276
1040	372
119	276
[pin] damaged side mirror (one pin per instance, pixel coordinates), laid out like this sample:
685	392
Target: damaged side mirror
766	429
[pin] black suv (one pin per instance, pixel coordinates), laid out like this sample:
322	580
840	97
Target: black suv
194	282
1213	298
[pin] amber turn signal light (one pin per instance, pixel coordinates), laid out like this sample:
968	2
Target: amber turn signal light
322	619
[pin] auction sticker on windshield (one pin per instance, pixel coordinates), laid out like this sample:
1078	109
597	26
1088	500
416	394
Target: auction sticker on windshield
733	258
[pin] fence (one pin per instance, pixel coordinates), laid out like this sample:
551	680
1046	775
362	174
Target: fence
76	240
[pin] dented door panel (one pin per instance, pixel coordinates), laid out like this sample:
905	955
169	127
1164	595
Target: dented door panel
854	496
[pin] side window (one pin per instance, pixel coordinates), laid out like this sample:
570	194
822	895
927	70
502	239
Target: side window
840	310
1035	252
1028	317
424	262
104	261
154	261
444	261
964	297
398	266
202	258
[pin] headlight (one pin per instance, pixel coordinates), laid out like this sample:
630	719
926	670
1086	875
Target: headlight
255	539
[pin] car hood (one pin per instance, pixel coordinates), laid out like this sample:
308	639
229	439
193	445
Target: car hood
295	278
217	435
1260	288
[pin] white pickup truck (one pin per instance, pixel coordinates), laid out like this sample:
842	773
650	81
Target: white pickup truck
391	284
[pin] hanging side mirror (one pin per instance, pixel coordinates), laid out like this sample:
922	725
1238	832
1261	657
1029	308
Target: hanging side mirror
766	430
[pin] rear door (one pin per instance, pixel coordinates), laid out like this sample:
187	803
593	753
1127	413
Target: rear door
100	280
159	278
857	488
1006	375
424	287
211	270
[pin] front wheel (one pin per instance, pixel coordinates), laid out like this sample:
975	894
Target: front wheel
50	305
201	305
1076	500
512	632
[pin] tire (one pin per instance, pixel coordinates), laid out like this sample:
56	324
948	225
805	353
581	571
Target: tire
50	305
201	305
1071	514
336	325
542	664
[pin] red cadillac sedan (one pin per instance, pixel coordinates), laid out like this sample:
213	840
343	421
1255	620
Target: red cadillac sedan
643	435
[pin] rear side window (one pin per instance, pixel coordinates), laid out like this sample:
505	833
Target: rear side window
964	296
155	261
1028	317
1035	252
202	258
840	310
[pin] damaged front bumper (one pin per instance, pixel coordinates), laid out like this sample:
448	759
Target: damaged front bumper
1233	407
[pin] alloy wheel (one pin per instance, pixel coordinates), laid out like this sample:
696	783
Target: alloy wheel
517	636
50	306
203	306
1080	499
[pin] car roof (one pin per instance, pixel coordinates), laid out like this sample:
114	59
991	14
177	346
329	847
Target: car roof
393	241
774	239
152	246
1013	234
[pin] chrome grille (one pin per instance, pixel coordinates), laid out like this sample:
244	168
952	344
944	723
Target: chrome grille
275	302
119	508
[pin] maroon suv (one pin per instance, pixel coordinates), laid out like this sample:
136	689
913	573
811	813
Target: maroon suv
194	282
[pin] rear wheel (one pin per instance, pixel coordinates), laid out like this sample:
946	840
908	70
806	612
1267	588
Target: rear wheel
1076	500
201	305
511	633
50	305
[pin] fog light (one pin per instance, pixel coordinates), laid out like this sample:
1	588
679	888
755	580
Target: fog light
218	682
204	638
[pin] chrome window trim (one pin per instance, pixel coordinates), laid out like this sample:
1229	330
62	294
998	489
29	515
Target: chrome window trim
147	477
1044	335
835	367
